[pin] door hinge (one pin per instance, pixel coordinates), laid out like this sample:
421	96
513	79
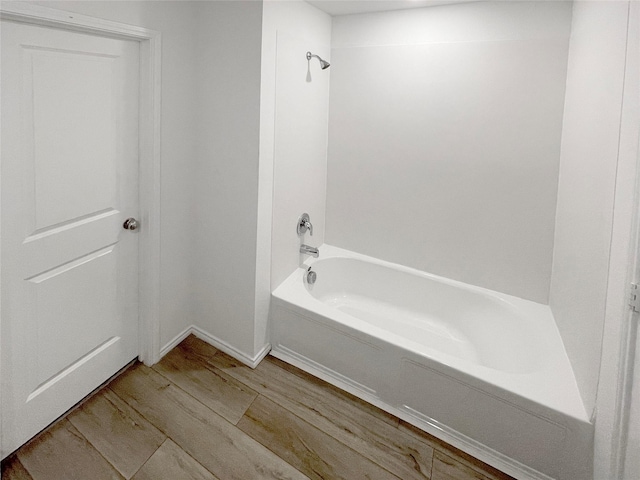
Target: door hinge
634	297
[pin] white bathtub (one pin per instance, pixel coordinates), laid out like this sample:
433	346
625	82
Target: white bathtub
484	371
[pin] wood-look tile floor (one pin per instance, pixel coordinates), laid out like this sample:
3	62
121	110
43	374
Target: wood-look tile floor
199	414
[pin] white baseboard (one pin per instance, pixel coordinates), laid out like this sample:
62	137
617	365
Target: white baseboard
175	341
217	343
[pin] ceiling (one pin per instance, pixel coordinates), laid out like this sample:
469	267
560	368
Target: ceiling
348	7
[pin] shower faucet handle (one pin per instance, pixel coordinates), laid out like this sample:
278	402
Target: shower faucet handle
304	224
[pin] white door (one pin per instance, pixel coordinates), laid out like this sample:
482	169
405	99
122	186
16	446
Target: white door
68	182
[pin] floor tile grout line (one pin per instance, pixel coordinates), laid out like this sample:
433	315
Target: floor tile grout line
339	441
167	436
58	421
154	452
210	368
484	474
15	458
258	441
231	423
104	388
196	399
213	367
320	430
295	415
433	454
433	444
183	451
451	452
244	414
107	387
23	465
347	396
87	440
368	414
193	458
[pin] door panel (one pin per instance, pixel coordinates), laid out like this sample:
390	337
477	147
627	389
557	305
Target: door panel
73	125
68	181
87	283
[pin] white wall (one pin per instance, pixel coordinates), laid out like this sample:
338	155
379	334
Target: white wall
176	22
444	139
620	328
294	126
589	156
225	182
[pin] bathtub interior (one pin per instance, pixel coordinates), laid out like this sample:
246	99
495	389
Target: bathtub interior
474	369
433	317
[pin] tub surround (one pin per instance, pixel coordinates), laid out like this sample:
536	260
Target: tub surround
587	184
454	166
290	134
295	110
474	367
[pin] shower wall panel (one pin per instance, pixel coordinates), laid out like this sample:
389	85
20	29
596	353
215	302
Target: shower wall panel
588	167
295	106
444	140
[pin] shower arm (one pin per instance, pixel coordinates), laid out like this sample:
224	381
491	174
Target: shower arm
323	63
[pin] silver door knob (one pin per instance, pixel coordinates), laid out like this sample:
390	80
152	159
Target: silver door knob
130	224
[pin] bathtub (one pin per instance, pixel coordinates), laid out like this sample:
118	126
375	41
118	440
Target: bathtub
481	370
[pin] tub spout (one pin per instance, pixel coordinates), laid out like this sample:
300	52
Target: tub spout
307	250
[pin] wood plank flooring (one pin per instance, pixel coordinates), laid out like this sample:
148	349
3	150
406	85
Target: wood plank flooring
201	415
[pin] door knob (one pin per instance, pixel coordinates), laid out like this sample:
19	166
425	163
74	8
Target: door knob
130	224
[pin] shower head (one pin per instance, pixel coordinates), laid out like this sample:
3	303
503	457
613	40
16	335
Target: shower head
323	64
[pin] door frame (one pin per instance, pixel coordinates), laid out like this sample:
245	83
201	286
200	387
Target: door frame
149	151
619	349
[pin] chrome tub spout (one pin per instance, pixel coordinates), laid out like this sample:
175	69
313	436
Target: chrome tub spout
307	250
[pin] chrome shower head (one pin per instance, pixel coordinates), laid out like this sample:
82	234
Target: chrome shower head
323	64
